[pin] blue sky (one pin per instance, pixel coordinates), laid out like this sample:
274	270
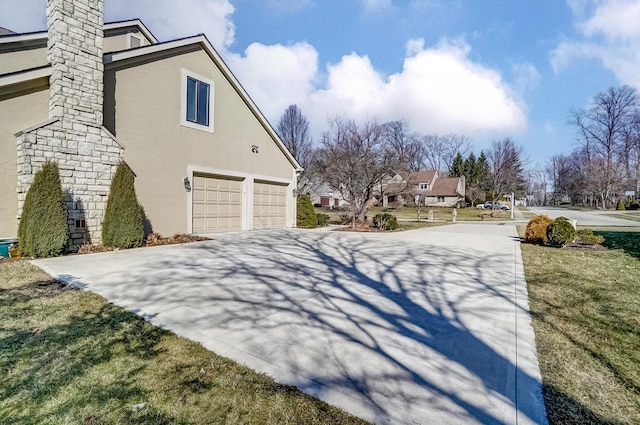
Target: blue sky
485	69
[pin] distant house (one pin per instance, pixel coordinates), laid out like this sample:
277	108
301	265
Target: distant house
88	95
426	187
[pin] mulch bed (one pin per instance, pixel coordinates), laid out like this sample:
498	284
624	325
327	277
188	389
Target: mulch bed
153	239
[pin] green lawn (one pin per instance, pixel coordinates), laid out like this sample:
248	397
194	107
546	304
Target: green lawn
586	314
630	215
69	357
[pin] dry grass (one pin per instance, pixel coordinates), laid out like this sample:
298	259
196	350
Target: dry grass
586	315
440	214
69	357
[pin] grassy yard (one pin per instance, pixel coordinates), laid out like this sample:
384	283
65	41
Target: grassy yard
630	215
586	315
440	214
69	357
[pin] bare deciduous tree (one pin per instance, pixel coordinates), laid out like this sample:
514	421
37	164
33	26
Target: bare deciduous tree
353	159
293	130
407	145
603	132
440	150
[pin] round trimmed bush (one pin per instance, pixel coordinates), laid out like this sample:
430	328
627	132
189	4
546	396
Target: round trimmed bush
43	230
385	221
536	232
560	232
305	215
635	205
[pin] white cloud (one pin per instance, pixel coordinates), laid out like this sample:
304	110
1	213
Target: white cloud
526	76
609	33
438	90
377	6
276	76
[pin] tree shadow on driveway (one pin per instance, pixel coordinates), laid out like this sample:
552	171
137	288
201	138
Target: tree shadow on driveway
393	331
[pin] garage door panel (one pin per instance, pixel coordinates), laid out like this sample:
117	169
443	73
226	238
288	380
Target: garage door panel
269	205
217	203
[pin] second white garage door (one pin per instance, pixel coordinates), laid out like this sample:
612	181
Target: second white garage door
269	205
217	203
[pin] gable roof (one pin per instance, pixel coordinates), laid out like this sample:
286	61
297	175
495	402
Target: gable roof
130	57
446	187
168	48
4	31
421	176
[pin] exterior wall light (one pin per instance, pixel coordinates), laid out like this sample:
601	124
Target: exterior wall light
187	184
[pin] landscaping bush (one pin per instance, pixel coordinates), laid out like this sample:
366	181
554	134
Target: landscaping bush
560	232
123	225
43	230
536	231
620	205
635	205
586	236
385	221
323	219
305	216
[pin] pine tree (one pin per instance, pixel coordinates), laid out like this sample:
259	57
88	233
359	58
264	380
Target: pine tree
43	230
123	225
306	215
457	166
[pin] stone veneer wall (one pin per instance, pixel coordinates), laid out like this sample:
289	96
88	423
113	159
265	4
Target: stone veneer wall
86	153
87	157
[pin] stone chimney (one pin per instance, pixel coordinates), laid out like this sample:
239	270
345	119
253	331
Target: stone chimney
73	137
75	52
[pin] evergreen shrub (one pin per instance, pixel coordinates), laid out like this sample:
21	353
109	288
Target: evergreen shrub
620	205
587	237
43	230
123	225
560	232
323	219
635	205
385	221
306	215
536	232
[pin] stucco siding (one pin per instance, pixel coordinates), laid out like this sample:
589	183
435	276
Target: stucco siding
23	59
145	114
16	114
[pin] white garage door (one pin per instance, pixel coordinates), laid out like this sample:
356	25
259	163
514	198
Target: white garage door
269	205
217	203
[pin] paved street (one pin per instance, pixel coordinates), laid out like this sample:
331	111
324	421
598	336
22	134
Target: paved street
429	326
590	218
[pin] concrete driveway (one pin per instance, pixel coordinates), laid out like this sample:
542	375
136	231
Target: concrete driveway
584	218
429	326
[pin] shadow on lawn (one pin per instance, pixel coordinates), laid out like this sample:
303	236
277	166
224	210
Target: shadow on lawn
43	372
390	321
564	410
627	241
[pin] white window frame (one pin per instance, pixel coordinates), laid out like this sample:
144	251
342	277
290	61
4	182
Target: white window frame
424	186
183	101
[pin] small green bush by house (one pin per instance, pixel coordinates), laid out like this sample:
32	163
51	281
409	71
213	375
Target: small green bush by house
305	216
536	232
634	205
123	224
385	221
43	230
560	232
586	236
323	219
620	205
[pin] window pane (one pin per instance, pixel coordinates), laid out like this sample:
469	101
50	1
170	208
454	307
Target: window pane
203	103
191	99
